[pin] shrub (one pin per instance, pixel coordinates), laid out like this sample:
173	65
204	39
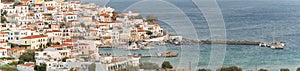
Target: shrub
232	68
148	66
262	70
284	69
166	64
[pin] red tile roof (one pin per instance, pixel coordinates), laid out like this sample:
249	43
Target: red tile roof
105	15
16	48
33	36
7	2
52	31
70	14
50	8
74	21
2	42
83	44
61	45
38	5
3	33
1	48
71	40
27	65
140	30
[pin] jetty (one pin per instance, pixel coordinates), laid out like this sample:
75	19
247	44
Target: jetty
229	42
167	54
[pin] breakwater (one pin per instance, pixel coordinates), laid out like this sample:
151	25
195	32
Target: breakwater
229	42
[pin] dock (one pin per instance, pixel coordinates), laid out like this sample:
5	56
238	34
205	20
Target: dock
229	42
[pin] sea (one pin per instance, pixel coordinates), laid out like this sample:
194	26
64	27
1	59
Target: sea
253	20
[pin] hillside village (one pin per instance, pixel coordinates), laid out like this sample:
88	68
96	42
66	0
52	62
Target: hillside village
64	35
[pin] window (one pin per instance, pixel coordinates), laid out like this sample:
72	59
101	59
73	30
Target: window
25	42
17	38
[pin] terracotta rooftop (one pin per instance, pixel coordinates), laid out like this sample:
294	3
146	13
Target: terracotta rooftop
71	40
33	36
27	65
1	48
105	15
83	44
70	14
52	31
7	2
140	30
16	48
50	8
3	33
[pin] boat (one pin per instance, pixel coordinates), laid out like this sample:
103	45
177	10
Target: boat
177	43
262	44
275	45
133	47
171	54
147	47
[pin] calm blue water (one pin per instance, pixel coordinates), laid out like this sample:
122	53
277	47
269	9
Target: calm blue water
245	20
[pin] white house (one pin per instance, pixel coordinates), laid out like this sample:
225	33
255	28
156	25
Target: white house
26	67
3	36
8	5
21	9
34	41
4	45
3	52
70	17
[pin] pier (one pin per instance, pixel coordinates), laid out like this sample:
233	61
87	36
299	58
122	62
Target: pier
229	42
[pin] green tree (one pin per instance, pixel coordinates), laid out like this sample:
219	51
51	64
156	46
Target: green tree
232	68
204	70
284	69
17	3
132	68
46	23
148	32
166	65
115	16
3	19
148	66
14	63
64	59
57	43
7	67
152	18
4	13
21	62
262	70
92	67
28	56
41	67
48	44
298	69
72	69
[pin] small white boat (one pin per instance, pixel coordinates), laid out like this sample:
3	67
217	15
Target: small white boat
147	47
262	44
133	47
275	45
